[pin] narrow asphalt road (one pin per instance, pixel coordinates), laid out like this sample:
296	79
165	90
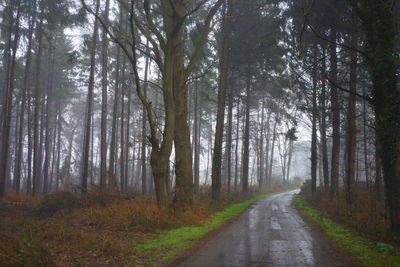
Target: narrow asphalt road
270	233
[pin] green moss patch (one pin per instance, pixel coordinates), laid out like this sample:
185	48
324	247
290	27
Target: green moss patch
367	252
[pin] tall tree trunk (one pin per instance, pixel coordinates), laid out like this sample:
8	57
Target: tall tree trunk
237	147
89	106
268	142
366	164
127	136
378	171
36	112
325	162
222	85
111	165
351	120
291	148
314	156
122	139
261	149
7	101
27	72
48	131
271	161
229	138
183	153
59	128
144	125
104	84
335	114
196	142
246	141
380	24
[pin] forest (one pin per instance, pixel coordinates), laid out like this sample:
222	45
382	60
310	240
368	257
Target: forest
131	131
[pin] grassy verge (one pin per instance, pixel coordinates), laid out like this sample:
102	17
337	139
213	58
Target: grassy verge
171	243
366	252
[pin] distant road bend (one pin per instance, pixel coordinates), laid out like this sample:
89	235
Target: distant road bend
270	233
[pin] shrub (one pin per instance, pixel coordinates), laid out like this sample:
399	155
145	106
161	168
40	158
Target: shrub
31	252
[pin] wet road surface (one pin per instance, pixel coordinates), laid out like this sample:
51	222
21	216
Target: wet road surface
270	233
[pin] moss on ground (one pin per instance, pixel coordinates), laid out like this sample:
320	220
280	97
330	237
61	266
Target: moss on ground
171	243
366	252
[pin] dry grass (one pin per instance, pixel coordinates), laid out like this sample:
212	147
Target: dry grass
367	215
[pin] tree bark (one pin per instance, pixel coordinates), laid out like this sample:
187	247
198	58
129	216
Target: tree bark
267	140
144	126
48	131
183	152
272	153
89	107
246	141
325	162
36	112
229	138
104	84
27	72
196	141
7	100
261	149
222	87
351	121
237	147
314	151
379	21
113	141
335	115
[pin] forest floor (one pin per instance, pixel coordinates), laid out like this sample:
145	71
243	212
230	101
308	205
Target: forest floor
103	229
362	230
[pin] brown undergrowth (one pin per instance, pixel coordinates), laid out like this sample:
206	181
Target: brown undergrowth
367	215
99	229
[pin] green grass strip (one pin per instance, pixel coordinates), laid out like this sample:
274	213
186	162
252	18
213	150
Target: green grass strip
171	243
367	252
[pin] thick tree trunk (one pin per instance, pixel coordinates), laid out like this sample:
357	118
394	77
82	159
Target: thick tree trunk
183	151
219	128
380	27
